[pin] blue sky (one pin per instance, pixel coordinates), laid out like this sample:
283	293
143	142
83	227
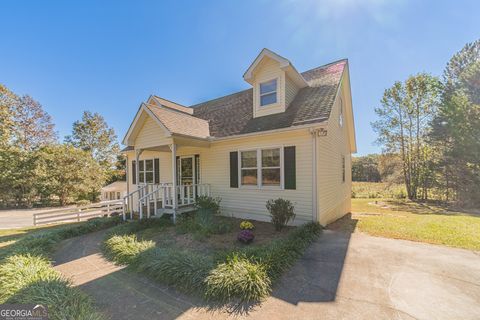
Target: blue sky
108	56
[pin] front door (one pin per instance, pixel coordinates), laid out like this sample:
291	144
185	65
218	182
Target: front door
187	170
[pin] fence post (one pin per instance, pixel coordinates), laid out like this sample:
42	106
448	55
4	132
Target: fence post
108	210
35	219
78	214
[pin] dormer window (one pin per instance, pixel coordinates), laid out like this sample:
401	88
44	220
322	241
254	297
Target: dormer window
268	92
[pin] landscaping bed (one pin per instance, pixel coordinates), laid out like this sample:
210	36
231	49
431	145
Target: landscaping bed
27	275
209	260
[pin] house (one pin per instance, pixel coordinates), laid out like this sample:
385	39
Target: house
290	135
114	191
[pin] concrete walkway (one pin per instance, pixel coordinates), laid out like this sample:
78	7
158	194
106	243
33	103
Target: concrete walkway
341	276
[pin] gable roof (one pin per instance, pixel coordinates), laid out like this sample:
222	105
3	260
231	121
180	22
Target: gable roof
233	114
284	64
172	121
178	122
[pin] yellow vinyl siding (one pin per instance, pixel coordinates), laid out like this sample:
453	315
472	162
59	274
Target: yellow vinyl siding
151	135
246	202
333	194
268	69
291	91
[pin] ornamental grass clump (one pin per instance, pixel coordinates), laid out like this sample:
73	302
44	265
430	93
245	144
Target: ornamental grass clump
124	249
238	279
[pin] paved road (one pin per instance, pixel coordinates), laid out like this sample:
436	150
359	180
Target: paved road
341	276
21	218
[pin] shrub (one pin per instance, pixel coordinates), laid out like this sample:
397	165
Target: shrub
207	202
246	225
245	236
281	211
238	278
83	202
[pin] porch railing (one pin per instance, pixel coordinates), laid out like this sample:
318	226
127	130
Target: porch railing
163	195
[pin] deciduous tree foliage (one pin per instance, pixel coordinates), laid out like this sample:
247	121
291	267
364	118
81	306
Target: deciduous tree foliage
67	172
92	134
407	108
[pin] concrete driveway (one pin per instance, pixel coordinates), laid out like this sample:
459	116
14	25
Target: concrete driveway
341	276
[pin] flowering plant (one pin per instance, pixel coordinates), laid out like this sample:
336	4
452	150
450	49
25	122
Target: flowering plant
246	225
246	236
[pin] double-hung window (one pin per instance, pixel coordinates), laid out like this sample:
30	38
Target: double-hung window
271	173
145	171
261	167
249	168
268	92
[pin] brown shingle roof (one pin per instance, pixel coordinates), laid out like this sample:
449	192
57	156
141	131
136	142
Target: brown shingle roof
180	123
233	114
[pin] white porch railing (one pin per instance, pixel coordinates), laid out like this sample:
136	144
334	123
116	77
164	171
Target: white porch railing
162	196
77	214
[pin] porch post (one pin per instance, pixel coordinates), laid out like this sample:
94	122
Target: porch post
173	147
137	176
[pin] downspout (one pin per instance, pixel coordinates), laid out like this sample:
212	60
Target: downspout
314	133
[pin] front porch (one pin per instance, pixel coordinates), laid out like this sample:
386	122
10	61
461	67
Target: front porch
163	180
165	198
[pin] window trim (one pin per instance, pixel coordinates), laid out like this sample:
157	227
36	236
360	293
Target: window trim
260	94
259	168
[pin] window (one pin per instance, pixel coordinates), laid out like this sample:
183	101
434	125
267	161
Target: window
249	169
145	171
271	167
268	92
261	167
118	195
340	118
343	168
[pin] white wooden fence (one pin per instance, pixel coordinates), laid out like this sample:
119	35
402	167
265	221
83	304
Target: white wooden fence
76	214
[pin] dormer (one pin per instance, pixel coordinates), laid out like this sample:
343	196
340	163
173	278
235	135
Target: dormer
275	83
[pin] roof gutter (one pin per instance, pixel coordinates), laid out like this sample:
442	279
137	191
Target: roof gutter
295	128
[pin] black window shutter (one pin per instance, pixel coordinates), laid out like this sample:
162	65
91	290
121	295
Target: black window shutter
289	167
156	168
234	169
197	169
177	168
134	172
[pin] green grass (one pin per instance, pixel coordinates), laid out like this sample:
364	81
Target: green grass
402	219
244	275
372	190
27	276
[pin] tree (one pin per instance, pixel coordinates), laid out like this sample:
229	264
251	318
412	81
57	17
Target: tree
68	172
92	134
456	128
365	168
404	116
8	102
33	126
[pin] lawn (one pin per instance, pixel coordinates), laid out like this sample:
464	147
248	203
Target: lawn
403	219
